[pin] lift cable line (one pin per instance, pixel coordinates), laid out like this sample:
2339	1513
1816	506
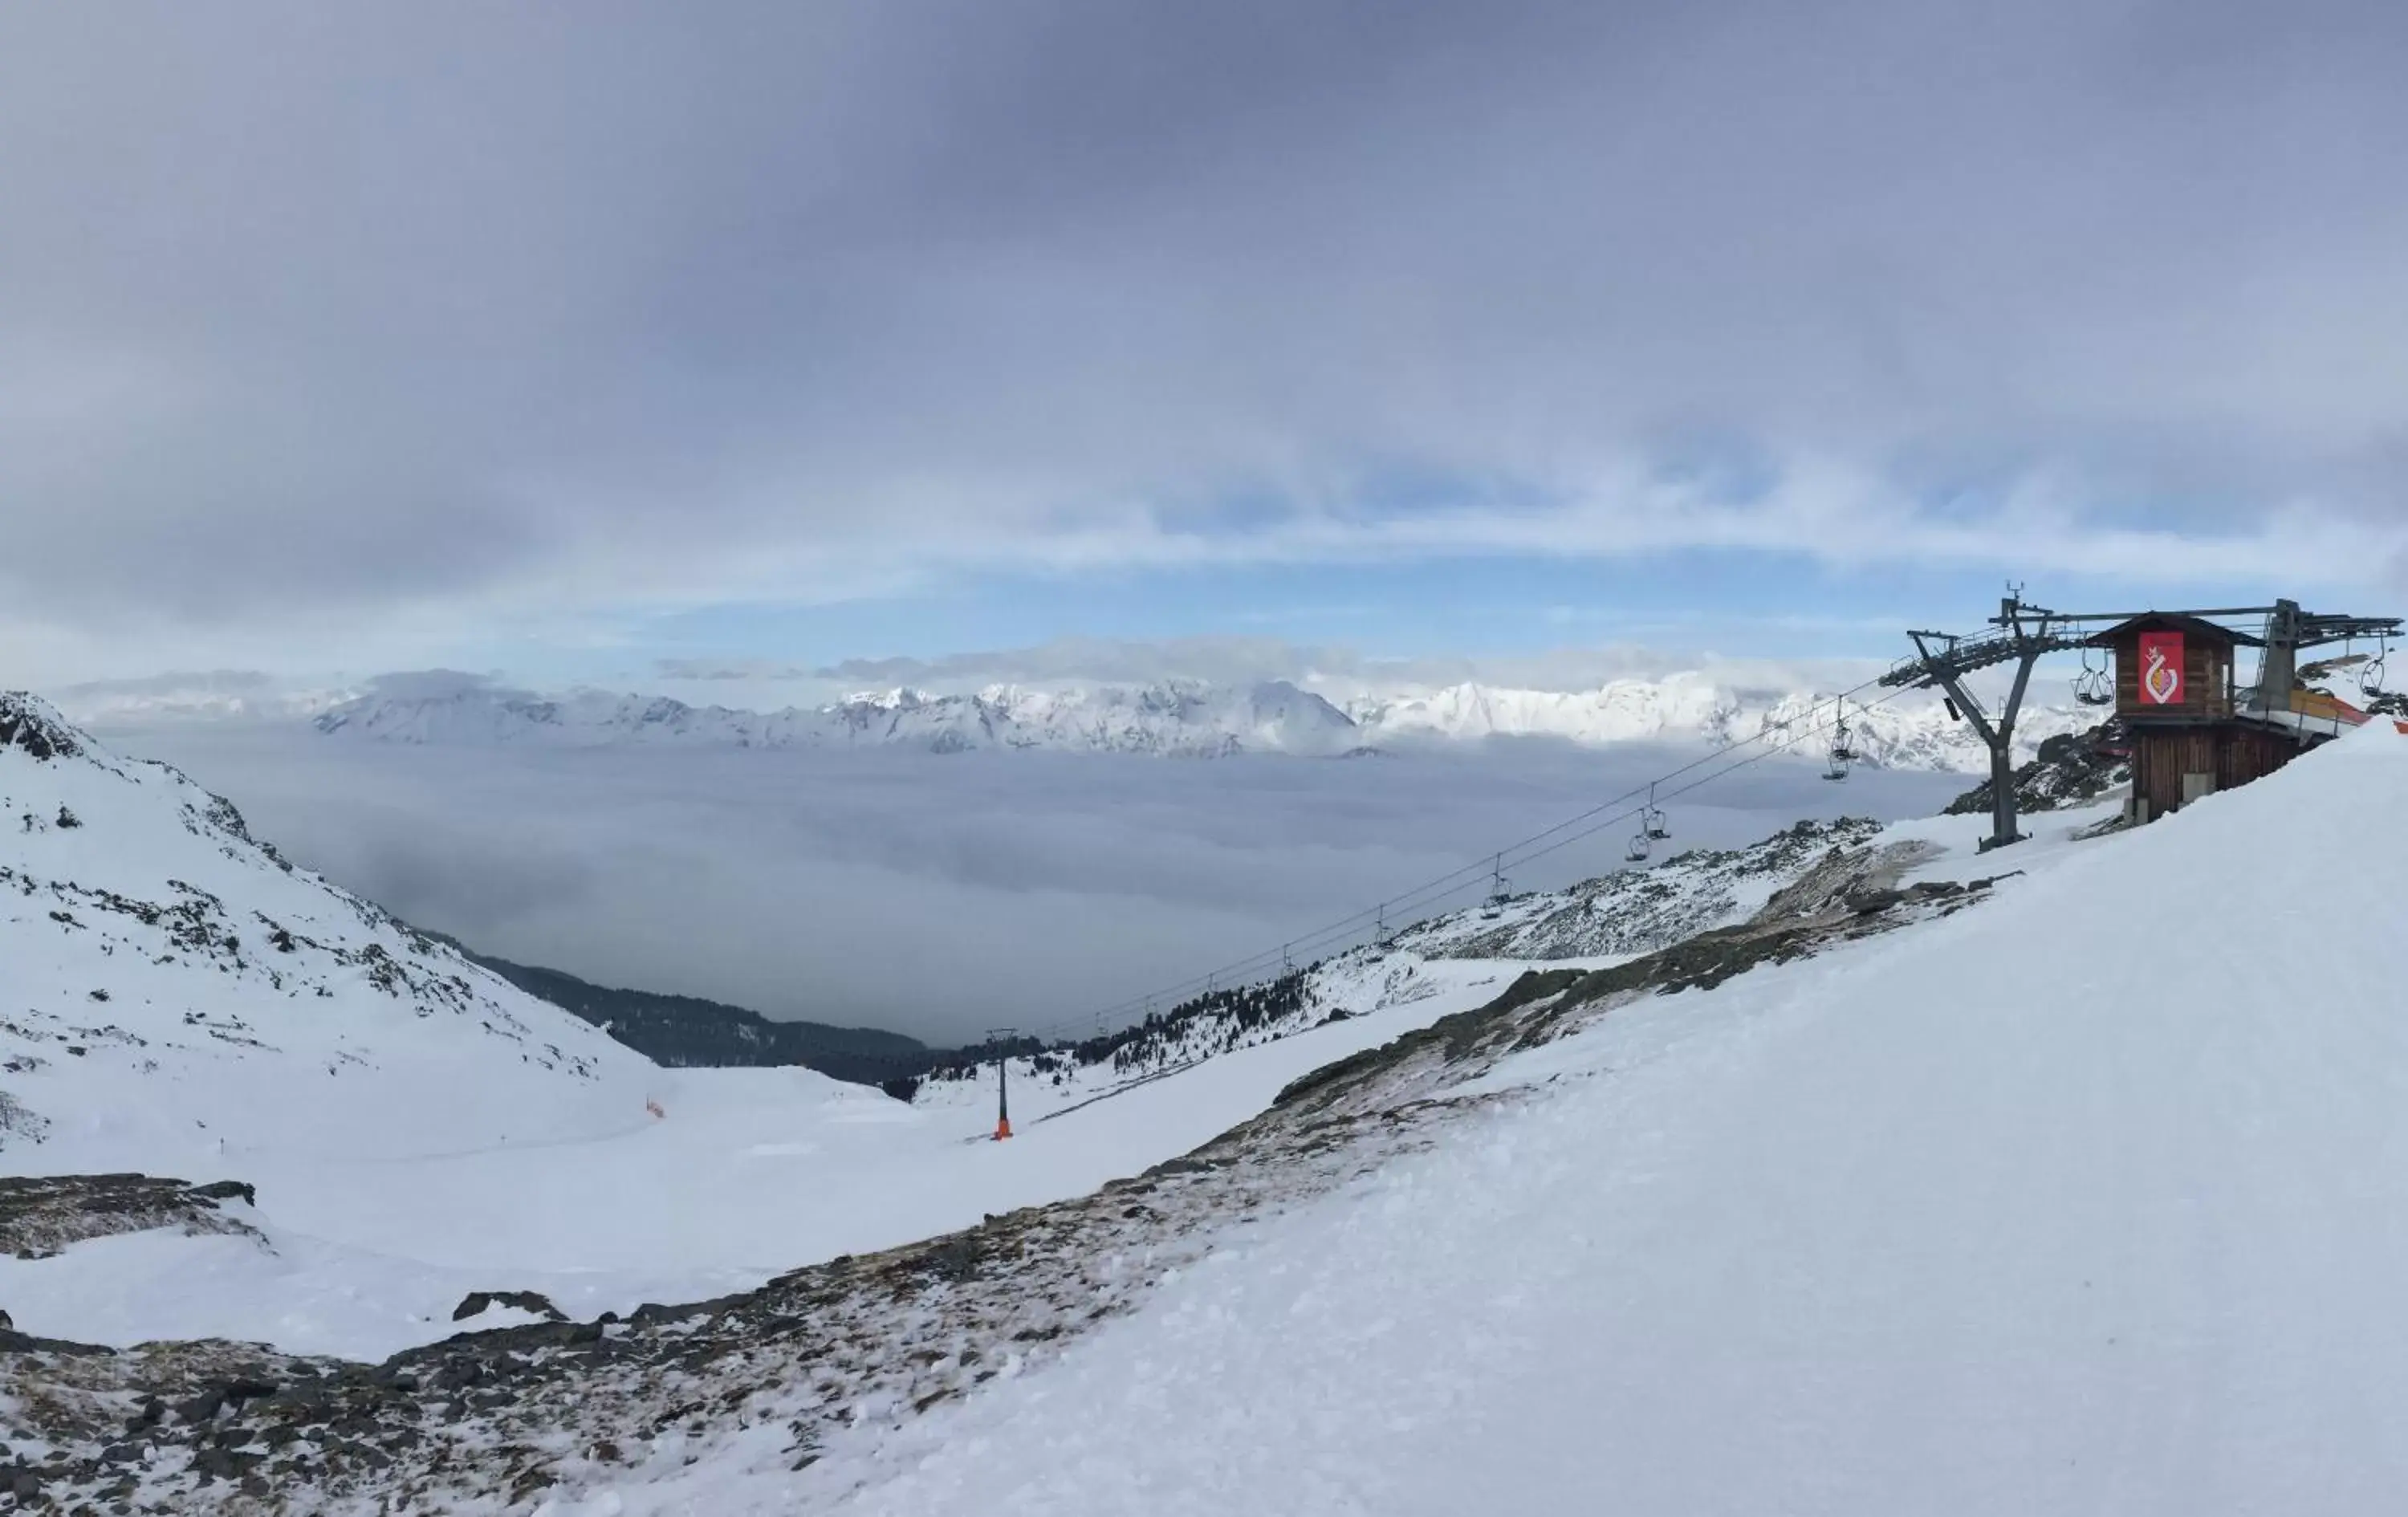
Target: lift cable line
1382	923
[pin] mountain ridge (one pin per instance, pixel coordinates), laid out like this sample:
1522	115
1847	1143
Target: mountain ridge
1191	719
178	985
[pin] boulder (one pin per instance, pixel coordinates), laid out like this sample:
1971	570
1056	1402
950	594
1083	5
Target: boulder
479	1302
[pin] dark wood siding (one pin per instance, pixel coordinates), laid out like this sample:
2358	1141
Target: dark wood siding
2234	754
2162	755
2250	754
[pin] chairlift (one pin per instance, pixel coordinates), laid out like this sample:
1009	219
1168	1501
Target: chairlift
1651	821
1841	753
1636	852
1499	894
2370	679
2093	686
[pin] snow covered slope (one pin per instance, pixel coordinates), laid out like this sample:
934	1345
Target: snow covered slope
2087	1200
1183	718
1597	921
172	990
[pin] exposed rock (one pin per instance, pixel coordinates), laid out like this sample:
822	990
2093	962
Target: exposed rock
29	724
479	1302
12	1341
2070	770
42	1215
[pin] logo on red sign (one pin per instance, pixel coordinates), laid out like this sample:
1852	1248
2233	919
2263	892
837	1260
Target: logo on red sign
2161	668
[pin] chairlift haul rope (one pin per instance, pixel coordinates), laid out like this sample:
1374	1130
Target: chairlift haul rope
1379	922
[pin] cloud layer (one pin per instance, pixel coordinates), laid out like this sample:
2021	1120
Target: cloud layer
937	896
368	325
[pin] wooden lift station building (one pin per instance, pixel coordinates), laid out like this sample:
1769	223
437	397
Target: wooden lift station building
2192	730
2192	727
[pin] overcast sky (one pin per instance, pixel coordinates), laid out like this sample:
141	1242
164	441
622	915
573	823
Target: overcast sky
554	340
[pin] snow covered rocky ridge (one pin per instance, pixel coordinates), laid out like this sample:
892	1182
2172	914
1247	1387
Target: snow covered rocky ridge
172	990
1189	719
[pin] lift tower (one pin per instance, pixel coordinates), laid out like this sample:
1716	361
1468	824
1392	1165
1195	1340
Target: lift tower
2021	635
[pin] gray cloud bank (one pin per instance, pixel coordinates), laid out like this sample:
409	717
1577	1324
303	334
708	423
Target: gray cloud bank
938	898
314	315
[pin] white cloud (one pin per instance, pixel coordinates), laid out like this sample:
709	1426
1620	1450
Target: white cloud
445	329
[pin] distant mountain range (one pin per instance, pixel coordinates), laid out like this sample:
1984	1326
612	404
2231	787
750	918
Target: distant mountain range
1189	719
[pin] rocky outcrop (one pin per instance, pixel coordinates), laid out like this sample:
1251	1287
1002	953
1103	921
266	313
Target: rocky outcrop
2070	770
477	1303
40	1216
27	723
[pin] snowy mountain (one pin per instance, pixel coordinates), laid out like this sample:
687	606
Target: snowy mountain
1911	733
1858	1164
1187	719
1172	718
176	991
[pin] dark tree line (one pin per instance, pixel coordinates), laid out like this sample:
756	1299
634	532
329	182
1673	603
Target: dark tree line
1226	1016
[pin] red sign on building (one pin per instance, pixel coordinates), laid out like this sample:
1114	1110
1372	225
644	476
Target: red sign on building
2161	668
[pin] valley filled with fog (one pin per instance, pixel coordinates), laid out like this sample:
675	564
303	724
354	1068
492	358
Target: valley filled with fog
943	894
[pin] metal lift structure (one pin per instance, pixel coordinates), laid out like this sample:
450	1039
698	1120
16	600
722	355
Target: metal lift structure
2023	633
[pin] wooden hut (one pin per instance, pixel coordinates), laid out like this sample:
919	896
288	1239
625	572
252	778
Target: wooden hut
2192	729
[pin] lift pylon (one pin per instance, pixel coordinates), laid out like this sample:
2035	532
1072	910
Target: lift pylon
1002	1038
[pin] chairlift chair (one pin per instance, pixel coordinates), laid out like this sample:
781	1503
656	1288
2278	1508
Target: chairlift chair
2370	679
1499	894
1651	821
1636	852
1841	753
2093	686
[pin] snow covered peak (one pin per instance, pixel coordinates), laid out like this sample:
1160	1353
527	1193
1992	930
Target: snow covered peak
175	984
1910	733
1185	718
1172	718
